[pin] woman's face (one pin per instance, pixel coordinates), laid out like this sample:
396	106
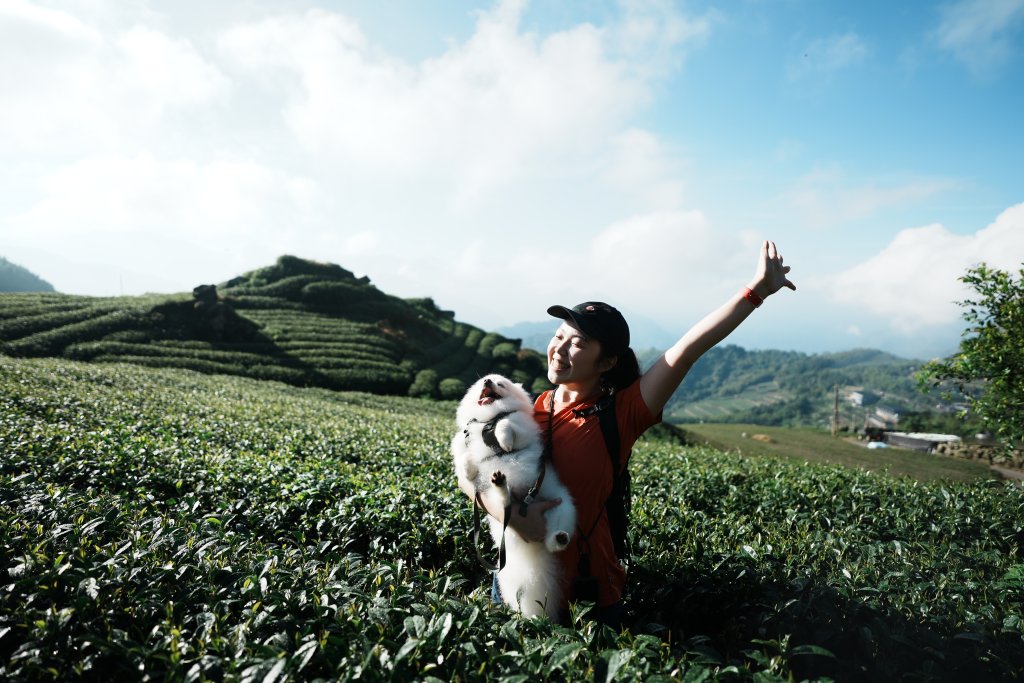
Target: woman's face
574	358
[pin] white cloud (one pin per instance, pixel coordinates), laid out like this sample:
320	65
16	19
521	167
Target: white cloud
826	197
981	33
641	166
67	87
27	28
503	105
914	281
213	201
652	31
147	136
662	263
825	56
165	72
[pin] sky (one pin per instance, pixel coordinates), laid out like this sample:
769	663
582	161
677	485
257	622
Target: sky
505	156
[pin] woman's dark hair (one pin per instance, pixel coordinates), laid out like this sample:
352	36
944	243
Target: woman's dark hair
625	371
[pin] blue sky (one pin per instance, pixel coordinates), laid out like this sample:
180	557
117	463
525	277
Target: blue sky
505	156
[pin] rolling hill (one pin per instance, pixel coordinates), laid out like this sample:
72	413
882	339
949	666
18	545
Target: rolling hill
15	278
788	388
297	321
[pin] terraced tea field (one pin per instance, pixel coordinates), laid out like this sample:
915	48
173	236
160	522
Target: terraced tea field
300	322
161	524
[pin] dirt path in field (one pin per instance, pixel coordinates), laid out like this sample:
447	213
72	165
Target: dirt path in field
1008	473
1011	474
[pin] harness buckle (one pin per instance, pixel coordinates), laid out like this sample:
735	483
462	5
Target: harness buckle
527	499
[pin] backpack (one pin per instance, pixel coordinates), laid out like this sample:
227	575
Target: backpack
620	502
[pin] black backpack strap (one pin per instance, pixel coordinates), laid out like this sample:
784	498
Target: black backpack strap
620	501
618	505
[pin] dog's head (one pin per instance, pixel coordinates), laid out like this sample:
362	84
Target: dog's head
491	395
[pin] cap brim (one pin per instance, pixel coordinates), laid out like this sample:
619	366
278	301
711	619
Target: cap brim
560	312
570	316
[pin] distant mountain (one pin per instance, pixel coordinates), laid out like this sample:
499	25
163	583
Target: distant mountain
15	278
731	384
297	321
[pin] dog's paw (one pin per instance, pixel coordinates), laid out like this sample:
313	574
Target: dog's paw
498	478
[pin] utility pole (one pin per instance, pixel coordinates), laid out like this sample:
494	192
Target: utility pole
835	412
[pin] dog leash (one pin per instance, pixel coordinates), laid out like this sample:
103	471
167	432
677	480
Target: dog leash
484	562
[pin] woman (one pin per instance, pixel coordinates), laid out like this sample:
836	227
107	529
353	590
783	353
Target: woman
588	358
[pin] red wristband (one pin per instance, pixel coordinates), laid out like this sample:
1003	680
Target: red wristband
751	296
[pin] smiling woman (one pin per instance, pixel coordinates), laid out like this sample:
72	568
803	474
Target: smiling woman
601	398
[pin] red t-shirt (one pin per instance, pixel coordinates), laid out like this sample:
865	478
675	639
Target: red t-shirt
581	459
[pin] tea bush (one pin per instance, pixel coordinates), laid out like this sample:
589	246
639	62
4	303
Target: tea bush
163	524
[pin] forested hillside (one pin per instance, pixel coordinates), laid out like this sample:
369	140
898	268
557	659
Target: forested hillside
730	384
15	278
297	321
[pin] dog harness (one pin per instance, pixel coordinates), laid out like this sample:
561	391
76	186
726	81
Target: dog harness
487	433
491	441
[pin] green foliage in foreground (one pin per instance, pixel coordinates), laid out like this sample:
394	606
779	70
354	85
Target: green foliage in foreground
161	524
989	367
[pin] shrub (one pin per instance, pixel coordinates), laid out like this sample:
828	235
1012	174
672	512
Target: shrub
452	388
506	350
425	384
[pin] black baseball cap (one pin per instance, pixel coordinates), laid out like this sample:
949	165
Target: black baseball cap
599	321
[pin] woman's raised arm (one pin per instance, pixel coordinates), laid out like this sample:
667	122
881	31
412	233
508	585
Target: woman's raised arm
662	379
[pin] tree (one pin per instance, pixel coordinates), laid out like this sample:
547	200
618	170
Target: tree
989	367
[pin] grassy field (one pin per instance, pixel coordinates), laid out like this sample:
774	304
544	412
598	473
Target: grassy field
161	524
817	446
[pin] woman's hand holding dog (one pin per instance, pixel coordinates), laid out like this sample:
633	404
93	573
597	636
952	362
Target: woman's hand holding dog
533	527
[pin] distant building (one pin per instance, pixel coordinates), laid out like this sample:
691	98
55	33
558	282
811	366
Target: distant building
888	414
919	441
860	397
873	422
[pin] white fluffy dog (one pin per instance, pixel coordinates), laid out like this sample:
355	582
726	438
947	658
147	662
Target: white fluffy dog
498	451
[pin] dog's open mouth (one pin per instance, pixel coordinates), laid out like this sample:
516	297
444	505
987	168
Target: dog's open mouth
488	395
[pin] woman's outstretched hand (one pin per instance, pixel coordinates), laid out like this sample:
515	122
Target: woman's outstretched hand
771	273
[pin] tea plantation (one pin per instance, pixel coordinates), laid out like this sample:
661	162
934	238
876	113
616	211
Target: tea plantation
296	321
161	524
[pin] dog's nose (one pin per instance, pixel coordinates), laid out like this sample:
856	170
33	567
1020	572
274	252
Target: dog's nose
488	383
